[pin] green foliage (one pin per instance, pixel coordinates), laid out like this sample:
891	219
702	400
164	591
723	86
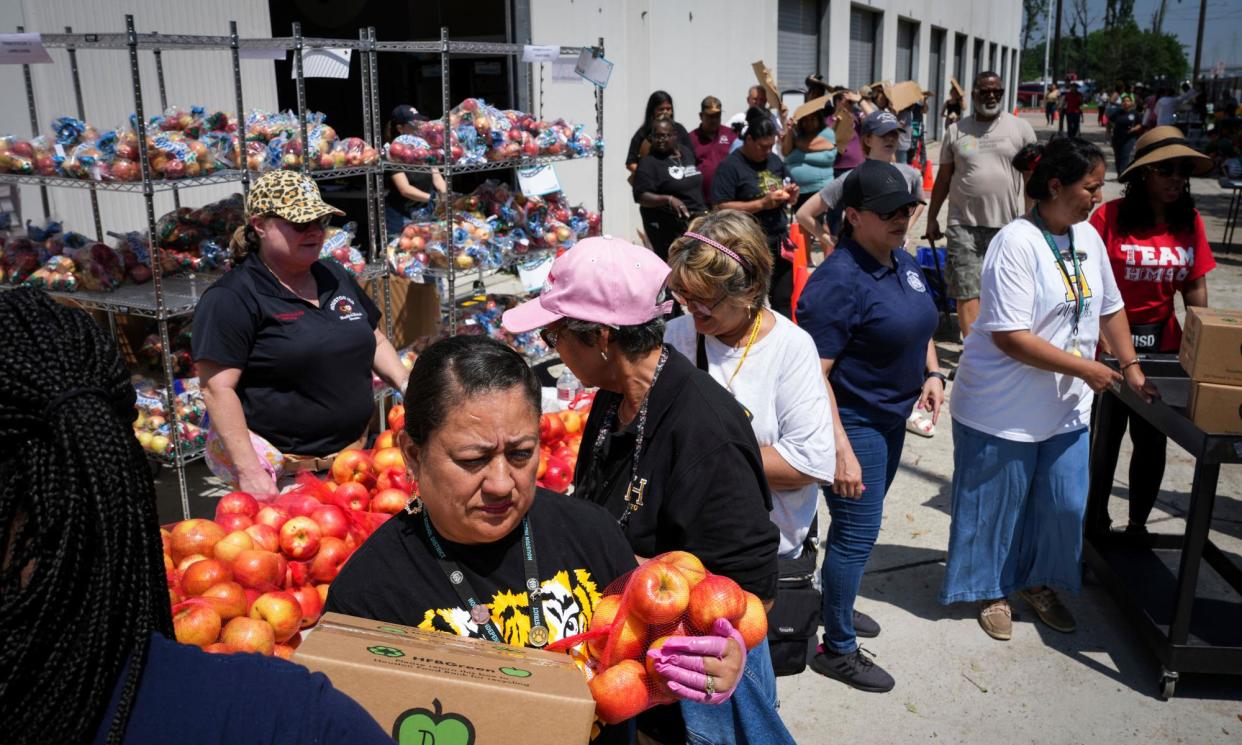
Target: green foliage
1124	52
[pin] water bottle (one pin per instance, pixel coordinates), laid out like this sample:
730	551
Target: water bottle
567	387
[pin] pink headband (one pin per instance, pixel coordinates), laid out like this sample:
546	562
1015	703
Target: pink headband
721	248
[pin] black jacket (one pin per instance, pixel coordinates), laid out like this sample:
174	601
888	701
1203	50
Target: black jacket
706	492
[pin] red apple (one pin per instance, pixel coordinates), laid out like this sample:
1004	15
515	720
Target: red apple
323	591
273	517
658	684
203	574
297	574
558	475
281	610
265	537
284	651
300	505
228	599
244	634
311	604
299	538
195	536
168	563
354	495
188	562
715	597
691	568
620	692
754	624
353	465
658	593
389	501
233	544
218	648
196	623
386	439
631	637
327	563
231	521
551	428
388	458
396	418
394	478
331	520
259	570
239	503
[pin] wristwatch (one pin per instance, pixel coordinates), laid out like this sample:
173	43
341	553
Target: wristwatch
944	380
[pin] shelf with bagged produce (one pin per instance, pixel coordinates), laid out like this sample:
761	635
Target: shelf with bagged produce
134	187
180	296
496	165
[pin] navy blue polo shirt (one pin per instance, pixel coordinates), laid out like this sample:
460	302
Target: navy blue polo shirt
306	372
874	322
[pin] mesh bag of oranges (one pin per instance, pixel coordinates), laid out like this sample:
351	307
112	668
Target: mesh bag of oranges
671	595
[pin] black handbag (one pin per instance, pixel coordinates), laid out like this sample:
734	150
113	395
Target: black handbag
795	618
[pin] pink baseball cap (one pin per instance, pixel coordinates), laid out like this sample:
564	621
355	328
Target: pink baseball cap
601	280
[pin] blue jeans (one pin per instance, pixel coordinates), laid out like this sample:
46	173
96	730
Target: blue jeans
855	526
749	716
1017	513
394	221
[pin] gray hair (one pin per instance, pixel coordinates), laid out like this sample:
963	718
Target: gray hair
633	341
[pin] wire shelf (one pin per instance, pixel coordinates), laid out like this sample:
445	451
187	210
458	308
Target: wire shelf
188	455
133	187
499	165
181	295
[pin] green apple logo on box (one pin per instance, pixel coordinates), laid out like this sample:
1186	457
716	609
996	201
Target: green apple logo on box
515	672
386	651
422	727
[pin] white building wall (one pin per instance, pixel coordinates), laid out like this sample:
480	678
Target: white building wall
191	78
694	48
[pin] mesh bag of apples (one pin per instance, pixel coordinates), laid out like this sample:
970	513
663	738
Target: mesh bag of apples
669	595
258	574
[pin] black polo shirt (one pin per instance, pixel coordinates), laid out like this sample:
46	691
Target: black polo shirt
706	492
306	372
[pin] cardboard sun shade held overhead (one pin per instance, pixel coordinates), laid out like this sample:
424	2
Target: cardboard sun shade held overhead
957	88
810	107
903	95
764	76
429	688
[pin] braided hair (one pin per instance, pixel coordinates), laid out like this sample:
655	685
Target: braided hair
82	583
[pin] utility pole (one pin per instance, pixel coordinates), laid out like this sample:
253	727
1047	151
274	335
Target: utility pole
1056	61
1047	49
1199	41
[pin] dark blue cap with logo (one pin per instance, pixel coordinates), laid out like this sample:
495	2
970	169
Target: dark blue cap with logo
880	123
875	186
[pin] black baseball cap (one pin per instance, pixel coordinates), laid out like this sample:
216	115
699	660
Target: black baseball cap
875	186
407	114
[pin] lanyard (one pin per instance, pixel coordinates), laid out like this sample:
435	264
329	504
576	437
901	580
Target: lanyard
635	489
480	613
1073	284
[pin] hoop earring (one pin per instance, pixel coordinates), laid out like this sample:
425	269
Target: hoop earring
414	506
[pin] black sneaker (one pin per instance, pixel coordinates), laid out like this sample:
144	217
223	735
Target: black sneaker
854	669
865	626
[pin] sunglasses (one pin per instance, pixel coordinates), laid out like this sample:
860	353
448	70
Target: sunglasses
301	227
989	92
1170	168
694	305
903	212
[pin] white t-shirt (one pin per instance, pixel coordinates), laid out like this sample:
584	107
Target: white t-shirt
1022	288
782	387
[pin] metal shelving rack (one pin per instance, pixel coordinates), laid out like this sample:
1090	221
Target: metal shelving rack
446	48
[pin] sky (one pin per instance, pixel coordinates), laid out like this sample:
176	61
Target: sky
1222	31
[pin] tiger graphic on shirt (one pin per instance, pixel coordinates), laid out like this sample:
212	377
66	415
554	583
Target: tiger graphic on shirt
1067	271
568	602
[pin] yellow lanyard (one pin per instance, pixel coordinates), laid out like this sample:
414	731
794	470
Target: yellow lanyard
754	334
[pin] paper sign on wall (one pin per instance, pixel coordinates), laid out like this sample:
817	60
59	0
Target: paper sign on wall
595	69
533	53
537	181
324	63
23	49
563	71
533	274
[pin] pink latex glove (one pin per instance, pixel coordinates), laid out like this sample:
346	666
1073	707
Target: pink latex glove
686	661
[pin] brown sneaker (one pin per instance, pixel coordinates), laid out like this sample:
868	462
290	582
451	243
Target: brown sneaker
996	618
1050	609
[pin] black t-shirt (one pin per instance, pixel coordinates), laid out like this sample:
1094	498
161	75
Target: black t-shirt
640	136
706	492
393	198
1122	123
738	179
666	175
306	372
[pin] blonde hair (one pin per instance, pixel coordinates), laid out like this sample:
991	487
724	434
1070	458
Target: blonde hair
703	271
245	241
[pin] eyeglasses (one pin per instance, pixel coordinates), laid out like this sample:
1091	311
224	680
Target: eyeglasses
1170	168
661	137
301	227
694	305
550	336
904	212
989	92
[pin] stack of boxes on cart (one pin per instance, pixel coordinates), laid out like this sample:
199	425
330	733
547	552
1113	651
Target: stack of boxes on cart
1211	353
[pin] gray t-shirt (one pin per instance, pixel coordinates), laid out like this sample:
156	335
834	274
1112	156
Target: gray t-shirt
986	190
831	193
905	137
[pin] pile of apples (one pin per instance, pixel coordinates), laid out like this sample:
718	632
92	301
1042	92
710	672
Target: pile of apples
669	595
258	574
560	437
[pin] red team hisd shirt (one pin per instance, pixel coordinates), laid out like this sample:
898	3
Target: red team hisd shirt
1151	267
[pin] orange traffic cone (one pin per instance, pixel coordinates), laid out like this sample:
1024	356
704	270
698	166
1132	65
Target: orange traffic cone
800	272
929	181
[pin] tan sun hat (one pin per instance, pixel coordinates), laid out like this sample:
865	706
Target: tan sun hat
290	195
1164	143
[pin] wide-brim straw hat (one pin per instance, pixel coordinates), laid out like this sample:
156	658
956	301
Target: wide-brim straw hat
1164	143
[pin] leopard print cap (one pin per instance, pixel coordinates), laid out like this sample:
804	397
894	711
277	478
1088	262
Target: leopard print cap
290	195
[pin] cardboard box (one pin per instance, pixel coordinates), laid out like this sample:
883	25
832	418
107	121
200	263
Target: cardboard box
415	308
1216	409
1212	346
426	687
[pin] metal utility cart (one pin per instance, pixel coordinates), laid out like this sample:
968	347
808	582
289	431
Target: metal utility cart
1187	632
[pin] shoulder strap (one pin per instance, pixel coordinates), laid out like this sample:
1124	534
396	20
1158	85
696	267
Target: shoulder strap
700	352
